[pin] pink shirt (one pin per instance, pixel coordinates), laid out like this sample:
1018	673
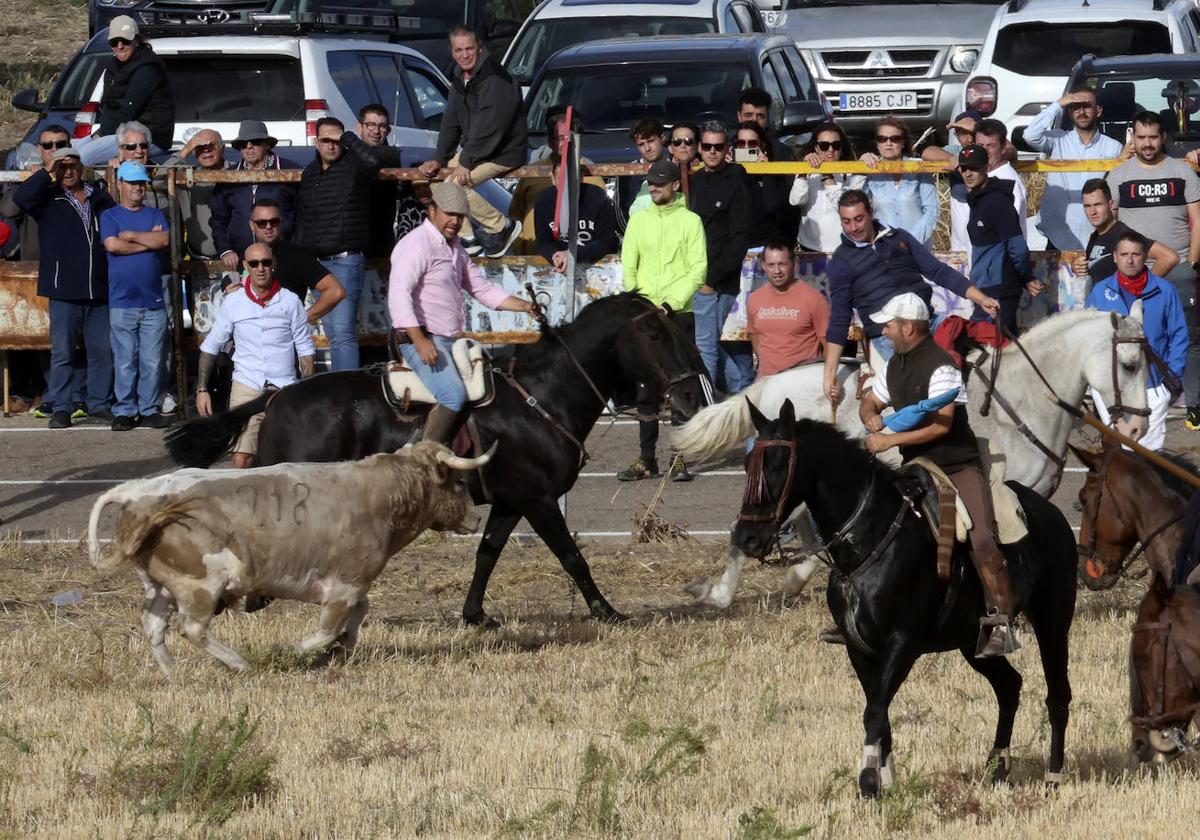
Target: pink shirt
428	278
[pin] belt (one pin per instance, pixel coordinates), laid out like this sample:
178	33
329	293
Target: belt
339	255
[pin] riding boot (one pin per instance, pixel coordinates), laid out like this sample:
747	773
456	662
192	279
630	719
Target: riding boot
441	425
997	636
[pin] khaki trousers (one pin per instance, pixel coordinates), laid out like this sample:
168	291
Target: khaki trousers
489	218
240	394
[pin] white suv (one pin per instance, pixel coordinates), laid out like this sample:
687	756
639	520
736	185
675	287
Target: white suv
1033	44
291	81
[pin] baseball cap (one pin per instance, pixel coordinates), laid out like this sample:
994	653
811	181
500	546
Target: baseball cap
132	172
960	121
908	306
63	153
974	157
662	171
122	26
450	197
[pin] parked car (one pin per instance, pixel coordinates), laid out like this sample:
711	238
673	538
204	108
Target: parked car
1168	85
1033	44
556	24
903	57
616	82
168	12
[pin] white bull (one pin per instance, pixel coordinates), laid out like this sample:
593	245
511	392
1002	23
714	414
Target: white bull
320	533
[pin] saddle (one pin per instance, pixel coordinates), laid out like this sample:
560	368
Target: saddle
402	386
947	515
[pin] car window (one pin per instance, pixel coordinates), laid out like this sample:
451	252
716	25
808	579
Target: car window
393	95
350	76
748	18
729	23
1193	18
1034	49
430	94
76	85
542	38
804	80
1123	95
779	62
230	88
614	97
771	85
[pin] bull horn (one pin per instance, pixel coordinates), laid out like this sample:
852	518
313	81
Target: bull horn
454	462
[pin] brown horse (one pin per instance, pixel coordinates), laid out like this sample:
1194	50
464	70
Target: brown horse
1164	670
1127	502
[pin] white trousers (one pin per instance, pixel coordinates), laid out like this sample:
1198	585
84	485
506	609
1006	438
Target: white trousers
1159	400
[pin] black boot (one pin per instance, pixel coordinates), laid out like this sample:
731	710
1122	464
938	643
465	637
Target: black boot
441	425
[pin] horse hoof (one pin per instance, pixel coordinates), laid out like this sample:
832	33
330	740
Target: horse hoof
699	588
868	783
612	617
481	620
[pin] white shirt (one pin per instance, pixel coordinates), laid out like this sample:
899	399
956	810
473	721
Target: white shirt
943	379
267	339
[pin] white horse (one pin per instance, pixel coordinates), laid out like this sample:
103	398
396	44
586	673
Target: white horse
1075	351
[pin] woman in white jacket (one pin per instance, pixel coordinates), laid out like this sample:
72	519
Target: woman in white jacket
817	195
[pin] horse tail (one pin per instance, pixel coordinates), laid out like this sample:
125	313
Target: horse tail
200	442
719	427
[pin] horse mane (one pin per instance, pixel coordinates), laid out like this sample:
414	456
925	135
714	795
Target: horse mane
1173	482
819	436
1058	323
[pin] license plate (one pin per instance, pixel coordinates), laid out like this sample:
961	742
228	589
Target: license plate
888	100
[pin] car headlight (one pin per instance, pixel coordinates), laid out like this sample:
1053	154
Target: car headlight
964	59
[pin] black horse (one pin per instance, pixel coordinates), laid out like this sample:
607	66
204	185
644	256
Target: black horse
884	591
614	346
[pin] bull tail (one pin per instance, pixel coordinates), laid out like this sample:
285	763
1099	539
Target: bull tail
200	442
133	538
110	497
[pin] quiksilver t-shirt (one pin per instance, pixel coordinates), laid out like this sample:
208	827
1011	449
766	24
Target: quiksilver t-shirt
1153	199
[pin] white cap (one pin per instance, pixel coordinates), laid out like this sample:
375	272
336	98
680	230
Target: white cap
907	306
122	26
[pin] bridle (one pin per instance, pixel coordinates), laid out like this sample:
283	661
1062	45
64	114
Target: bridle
1118	406
669	382
1093	513
1157	716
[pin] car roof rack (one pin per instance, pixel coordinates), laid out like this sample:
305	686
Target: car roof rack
160	25
1015	6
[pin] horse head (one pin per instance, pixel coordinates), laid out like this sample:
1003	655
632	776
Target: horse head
653	350
1164	670
1105	536
774	484
1117	367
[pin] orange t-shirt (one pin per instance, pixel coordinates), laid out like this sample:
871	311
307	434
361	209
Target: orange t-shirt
789	325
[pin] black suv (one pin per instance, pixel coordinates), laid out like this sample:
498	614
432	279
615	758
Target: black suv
1127	84
614	83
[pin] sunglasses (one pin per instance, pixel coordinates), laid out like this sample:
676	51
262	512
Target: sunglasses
829	145
713	147
683	141
129	147
274	221
329	141
268	263
1082	106
889	138
119	42
54	144
206	148
747	144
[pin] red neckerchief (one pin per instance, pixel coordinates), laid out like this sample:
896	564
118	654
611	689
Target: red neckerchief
1134	285
261	301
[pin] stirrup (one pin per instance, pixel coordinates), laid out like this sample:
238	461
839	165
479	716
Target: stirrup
997	637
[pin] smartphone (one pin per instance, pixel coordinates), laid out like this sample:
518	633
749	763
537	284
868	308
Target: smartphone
1128	135
745	155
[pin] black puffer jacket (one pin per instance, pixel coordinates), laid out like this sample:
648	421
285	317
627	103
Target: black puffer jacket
138	89
486	116
332	210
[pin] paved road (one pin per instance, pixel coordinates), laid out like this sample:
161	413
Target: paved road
49	479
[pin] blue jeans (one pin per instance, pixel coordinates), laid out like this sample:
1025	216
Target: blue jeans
67	319
137	340
341	322
734	357
98	151
442	376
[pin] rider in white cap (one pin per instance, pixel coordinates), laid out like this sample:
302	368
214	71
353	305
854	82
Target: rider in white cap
921	370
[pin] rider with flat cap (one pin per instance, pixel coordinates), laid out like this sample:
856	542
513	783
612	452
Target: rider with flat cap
921	370
430	271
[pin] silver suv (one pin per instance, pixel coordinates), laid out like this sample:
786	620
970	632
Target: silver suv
903	57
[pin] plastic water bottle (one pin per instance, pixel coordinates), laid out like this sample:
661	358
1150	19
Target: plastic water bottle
67	599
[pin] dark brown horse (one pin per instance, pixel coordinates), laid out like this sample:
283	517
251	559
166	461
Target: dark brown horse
1128	503
1164	670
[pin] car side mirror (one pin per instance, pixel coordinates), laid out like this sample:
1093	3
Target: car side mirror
803	115
27	100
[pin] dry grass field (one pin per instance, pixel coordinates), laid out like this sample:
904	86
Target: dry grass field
685	723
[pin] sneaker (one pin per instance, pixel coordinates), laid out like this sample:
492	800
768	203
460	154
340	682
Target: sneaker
103	414
154	421
80	412
1193	418
60	420
472	246
638	470
496	245
679	470
43	411
123	423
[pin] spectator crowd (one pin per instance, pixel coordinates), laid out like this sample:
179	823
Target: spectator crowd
683	231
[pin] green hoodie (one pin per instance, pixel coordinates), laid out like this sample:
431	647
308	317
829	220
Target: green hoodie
664	255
